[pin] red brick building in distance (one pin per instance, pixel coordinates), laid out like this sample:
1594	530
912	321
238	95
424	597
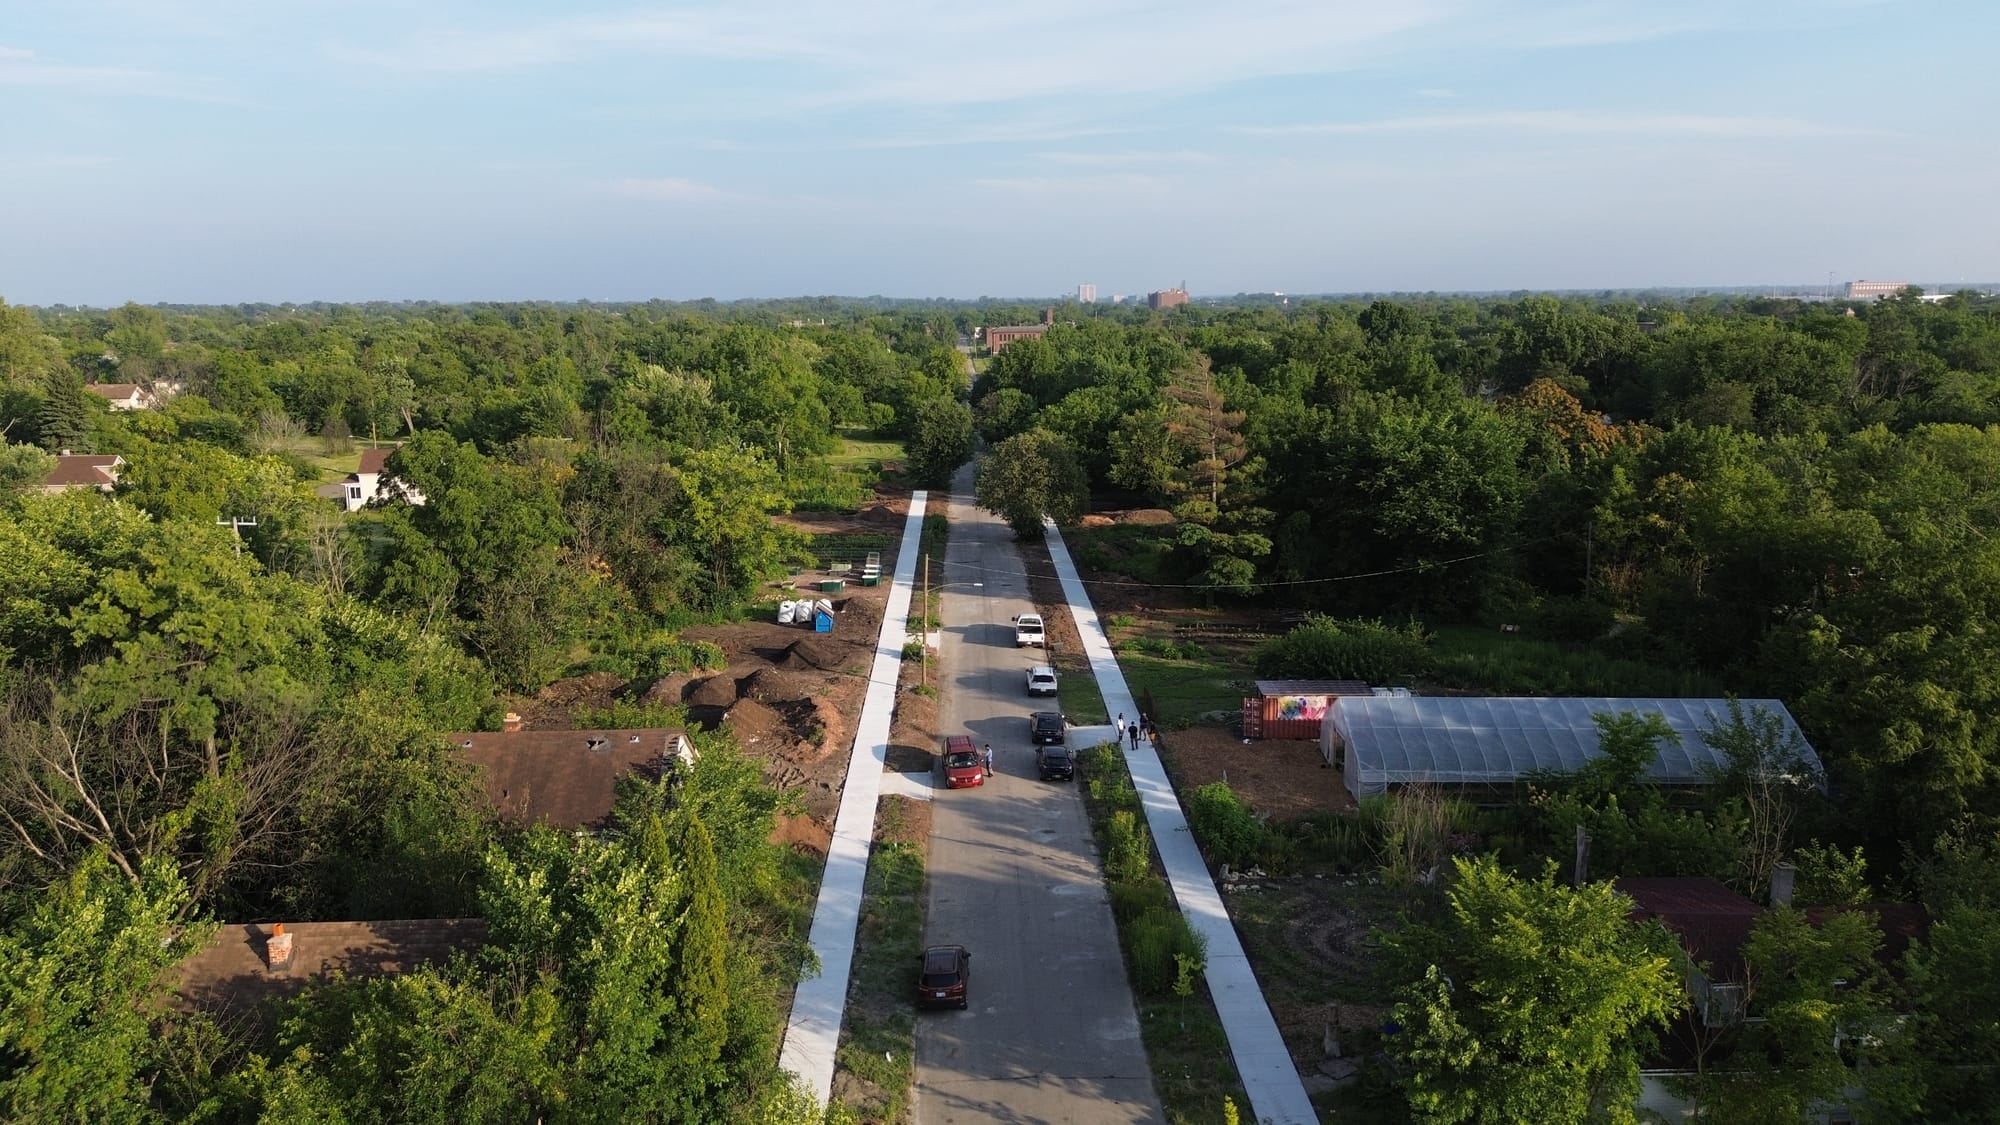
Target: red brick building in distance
1167	298
1000	335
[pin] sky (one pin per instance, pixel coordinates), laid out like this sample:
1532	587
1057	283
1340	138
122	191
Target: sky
224	151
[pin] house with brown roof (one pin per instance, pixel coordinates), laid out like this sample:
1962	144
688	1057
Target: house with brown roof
365	483
1713	924
124	396
84	470
567	778
247	966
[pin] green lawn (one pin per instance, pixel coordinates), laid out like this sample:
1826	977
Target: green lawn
1081	701
861	448
1185	689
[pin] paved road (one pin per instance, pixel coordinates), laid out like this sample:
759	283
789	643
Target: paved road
1052	1034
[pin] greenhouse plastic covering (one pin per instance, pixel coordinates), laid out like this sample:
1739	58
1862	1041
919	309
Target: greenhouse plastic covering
1493	741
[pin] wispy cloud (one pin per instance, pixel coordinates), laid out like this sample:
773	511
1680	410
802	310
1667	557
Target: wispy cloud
1127	158
666	189
22	67
1109	184
1571	122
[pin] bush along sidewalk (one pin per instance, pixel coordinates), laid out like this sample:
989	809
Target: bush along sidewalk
1192	1068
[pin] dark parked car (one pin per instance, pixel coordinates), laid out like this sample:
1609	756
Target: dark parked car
1055	763
1047	728
947	969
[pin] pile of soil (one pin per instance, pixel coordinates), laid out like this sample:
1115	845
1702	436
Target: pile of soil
670	691
769	685
1144	517
757	725
816	652
716	691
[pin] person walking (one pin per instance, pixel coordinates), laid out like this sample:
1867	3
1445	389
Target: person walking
1121	726
1135	736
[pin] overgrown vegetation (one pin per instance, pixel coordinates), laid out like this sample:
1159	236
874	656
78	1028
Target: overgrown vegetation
878	1036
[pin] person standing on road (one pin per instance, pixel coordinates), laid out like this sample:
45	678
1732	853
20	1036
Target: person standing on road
989	759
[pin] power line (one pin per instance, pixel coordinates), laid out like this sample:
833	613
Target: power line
1243	585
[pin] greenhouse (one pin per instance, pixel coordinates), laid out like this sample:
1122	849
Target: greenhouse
1445	740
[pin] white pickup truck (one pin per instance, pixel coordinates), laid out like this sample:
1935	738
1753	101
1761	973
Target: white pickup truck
1028	631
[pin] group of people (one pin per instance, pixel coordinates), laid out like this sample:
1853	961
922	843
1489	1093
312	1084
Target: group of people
1143	725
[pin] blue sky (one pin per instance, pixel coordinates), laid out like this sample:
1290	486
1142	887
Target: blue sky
293	150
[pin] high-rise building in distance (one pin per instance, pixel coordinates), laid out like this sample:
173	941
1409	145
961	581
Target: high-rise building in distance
1086	294
1167	298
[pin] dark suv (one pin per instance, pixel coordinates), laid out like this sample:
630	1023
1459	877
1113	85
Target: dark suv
1047	728
1055	763
947	969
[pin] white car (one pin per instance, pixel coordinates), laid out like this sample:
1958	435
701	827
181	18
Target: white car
1028	631
1041	680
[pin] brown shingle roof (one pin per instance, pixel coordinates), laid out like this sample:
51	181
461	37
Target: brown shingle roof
372	460
565	778
232	976
79	470
113	390
1711	921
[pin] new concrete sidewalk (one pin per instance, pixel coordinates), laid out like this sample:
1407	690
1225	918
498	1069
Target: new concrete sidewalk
1276	1094
813	1032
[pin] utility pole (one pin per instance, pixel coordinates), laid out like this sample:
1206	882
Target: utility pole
237	524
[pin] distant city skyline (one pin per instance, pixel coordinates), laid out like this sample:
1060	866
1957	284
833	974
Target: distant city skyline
223	151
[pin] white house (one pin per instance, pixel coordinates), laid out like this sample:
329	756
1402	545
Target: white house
365	483
124	396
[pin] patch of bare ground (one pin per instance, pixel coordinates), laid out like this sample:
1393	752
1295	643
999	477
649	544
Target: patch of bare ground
1280	779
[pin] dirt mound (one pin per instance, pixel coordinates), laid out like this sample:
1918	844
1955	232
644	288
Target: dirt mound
803	834
1145	517
667	692
822	653
755	723
1095	520
716	691
769	685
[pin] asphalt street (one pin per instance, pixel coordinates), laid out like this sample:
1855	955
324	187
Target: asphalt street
1051	1034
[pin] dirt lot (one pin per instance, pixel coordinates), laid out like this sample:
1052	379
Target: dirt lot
1279	779
791	695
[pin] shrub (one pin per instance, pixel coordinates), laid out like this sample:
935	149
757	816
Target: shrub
1333	838
1326	648
1159	939
1128	848
1225	825
1130	900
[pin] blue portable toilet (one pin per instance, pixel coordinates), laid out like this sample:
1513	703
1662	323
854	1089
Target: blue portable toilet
822	622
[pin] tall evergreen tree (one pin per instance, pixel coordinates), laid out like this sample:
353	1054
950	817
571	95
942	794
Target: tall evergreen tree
63	424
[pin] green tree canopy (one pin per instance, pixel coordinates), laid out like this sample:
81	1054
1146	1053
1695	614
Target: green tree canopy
1528	1000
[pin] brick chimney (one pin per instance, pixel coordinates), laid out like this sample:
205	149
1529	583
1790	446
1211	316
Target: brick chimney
1049	315
278	948
511	724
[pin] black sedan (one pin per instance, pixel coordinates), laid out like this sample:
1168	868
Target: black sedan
1055	763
